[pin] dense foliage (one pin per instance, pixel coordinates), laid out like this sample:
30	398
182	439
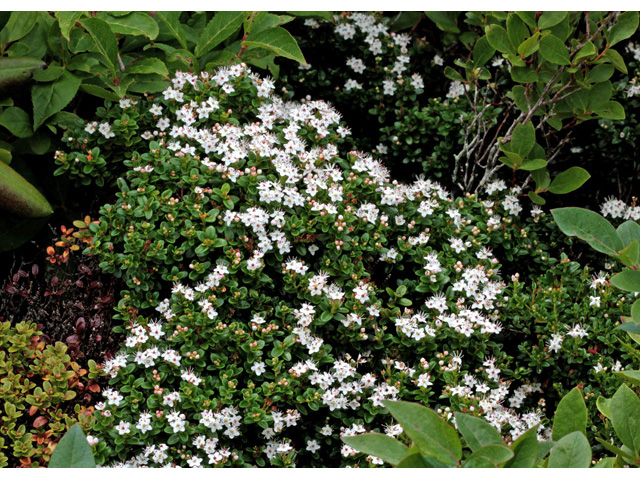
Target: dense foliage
261	278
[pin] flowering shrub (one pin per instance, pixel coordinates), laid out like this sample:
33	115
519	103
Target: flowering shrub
307	287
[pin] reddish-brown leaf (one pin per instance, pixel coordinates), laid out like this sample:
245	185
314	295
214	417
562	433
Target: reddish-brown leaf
40	421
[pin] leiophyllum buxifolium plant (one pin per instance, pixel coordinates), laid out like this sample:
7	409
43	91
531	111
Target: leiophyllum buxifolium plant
434	443
560	64
307	286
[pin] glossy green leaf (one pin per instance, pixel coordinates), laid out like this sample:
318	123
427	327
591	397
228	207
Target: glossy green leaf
629	231
528	17
548	19
604	406
627	280
171	21
476	461
134	23
554	50
433	436
17	70
49	74
516	29
20	197
529	46
606	462
482	52
413	461
388	449
19	25
66	21
569	180
278	40
570	416
147	66
499	39
476	431
535	164
99	92
587	50
17	121
496	454
525	450
572	451
73	451
50	98
452	74
590	227
626	26
542	179
222	26
616	60
523	139
328	16
625	417
104	40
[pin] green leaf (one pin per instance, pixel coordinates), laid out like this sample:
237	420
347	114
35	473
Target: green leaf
474	461
516	29
590	227
542	179
529	46
629	326
452	74
599	73
525	450
630	254
537	199
388	449
570	416
528	17
476	431
148	65
278	40
19	196
51	73
569	180
627	280
631	376
73	451
523	139
17	70
104	40
445	21
328	16
612	110
482	52
604	406
606	462
625	417
587	50
50	98
19	25
222	26
5	156
99	92
554	50
171	21
496	454
66	21
134	23
616	60
549	19
17	121
524	75
572	451
629	231
413	461
626	26
535	164
433	436
635	310
499	39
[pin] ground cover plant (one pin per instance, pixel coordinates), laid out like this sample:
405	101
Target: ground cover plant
268	287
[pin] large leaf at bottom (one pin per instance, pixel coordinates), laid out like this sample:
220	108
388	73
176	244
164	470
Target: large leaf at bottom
19	196
590	227
388	449
73	451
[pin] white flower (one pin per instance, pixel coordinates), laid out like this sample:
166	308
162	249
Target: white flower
594	301
258	368
312	446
